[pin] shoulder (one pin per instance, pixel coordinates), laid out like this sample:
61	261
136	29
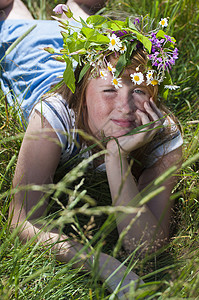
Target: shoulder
54	109
40	148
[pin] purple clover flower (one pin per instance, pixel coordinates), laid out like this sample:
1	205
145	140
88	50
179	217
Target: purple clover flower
175	53
168	38
136	20
172	61
161	57
120	33
60	8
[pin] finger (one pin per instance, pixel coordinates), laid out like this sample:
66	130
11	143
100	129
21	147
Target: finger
143	117
152	129
144	121
156	109
152	114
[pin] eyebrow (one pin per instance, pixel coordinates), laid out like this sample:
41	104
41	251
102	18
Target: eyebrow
140	86
106	85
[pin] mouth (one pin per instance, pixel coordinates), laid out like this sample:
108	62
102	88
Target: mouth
124	123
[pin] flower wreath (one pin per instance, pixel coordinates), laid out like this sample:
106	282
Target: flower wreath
97	37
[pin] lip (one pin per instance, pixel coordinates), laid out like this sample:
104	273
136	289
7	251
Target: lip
125	123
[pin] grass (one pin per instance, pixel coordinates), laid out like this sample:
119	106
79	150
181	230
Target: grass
28	272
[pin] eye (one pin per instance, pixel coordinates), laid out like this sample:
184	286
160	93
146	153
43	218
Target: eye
109	91
139	91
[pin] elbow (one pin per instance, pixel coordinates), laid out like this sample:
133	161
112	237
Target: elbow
17	222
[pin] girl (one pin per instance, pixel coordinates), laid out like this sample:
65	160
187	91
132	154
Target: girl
112	96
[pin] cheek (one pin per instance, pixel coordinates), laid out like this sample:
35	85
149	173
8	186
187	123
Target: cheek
139	102
97	112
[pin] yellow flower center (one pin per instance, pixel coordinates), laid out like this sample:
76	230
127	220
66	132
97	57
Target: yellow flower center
154	82
113	42
115	81
162	22
136	78
109	68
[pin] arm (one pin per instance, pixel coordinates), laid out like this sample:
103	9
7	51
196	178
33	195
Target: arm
38	159
146	227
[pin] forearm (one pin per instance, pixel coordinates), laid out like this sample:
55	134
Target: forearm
52	239
121	181
107	269
125	192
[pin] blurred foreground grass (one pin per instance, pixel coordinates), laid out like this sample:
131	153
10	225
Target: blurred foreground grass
27	272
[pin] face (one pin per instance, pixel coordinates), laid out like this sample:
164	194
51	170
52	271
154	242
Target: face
5	3
113	111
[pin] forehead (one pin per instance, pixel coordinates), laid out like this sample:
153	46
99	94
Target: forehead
125	81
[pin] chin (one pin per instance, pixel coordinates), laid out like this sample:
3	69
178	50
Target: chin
119	133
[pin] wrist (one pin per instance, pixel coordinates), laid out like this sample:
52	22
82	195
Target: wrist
116	159
114	149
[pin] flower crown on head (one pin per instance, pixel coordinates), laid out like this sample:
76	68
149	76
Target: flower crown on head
98	37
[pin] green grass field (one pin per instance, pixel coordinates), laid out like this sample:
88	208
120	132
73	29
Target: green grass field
29	272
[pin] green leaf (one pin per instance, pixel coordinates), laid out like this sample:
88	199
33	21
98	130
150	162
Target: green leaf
64	34
120	64
130	24
94	36
167	81
160	34
88	32
75	45
130	49
145	41
165	94
83	71
69	77
83	22
96	20
68	13
116	25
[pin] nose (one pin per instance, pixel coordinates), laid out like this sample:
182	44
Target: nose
125	103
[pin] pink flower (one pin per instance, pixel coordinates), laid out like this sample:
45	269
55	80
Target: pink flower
60	8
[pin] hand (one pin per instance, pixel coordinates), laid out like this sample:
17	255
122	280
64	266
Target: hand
132	142
124	288
112	278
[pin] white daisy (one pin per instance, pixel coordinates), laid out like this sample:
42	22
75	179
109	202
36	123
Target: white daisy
172	87
90	57
123	48
110	68
137	78
151	78
163	22
117	82
154	82
103	74
149	74
115	43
